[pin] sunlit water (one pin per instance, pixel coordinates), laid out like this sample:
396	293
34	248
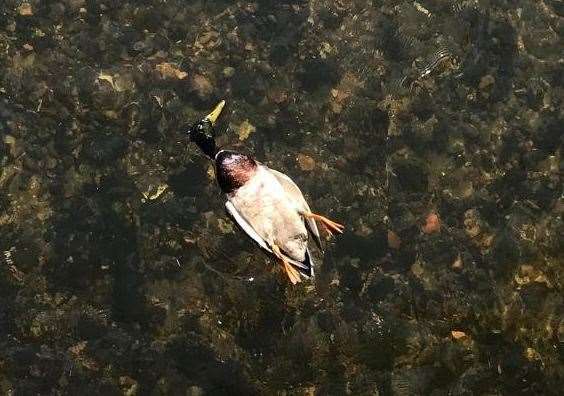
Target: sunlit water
431	129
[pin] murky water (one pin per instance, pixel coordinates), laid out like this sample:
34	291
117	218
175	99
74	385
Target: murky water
432	129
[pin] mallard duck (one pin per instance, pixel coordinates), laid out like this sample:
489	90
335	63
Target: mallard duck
266	204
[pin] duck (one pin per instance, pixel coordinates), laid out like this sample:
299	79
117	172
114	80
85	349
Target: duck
264	203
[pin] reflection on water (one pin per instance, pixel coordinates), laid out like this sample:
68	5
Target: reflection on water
432	129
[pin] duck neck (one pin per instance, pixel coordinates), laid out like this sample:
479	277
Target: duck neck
233	170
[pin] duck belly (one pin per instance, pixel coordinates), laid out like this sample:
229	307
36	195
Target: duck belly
263	203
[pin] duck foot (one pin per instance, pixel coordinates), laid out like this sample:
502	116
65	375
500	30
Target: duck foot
329	225
292	273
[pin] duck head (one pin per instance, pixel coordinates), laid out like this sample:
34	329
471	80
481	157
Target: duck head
232	169
203	133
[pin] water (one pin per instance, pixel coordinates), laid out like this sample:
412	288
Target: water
432	130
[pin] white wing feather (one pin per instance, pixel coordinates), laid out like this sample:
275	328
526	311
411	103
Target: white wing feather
249	230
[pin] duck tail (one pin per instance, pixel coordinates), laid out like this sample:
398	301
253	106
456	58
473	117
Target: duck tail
306	267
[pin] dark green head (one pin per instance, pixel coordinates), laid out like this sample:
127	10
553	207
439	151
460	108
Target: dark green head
203	134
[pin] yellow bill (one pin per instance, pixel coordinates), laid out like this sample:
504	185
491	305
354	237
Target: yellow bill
214	115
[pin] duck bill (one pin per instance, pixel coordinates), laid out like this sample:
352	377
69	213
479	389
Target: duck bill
214	115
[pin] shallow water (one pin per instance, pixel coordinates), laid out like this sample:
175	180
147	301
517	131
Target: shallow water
432	129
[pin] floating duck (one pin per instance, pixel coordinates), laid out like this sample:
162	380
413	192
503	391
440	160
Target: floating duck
266	204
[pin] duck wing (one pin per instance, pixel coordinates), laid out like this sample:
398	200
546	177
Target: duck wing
246	227
296	195
305	267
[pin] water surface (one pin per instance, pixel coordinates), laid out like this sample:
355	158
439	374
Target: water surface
432	129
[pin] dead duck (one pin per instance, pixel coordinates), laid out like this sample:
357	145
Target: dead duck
266	204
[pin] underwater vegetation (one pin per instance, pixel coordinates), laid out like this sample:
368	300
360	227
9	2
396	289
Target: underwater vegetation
432	129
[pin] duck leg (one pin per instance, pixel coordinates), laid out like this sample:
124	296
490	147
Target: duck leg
331	226
292	273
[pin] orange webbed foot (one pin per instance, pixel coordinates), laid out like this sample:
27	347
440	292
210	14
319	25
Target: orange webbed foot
292	273
330	226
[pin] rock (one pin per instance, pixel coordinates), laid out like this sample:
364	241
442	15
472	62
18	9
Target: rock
457	265
432	224
340	95
533	354
305	162
209	39
225	226
139	46
229	71
154	191
278	96
457	334
129	385
202	86
107	78
486	82
472	223
25	9
394	241
195	391
245	129
528	273
170	71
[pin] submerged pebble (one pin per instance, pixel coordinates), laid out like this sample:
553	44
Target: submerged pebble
25	9
394	241
432	224
168	70
305	162
245	129
202	86
486	82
